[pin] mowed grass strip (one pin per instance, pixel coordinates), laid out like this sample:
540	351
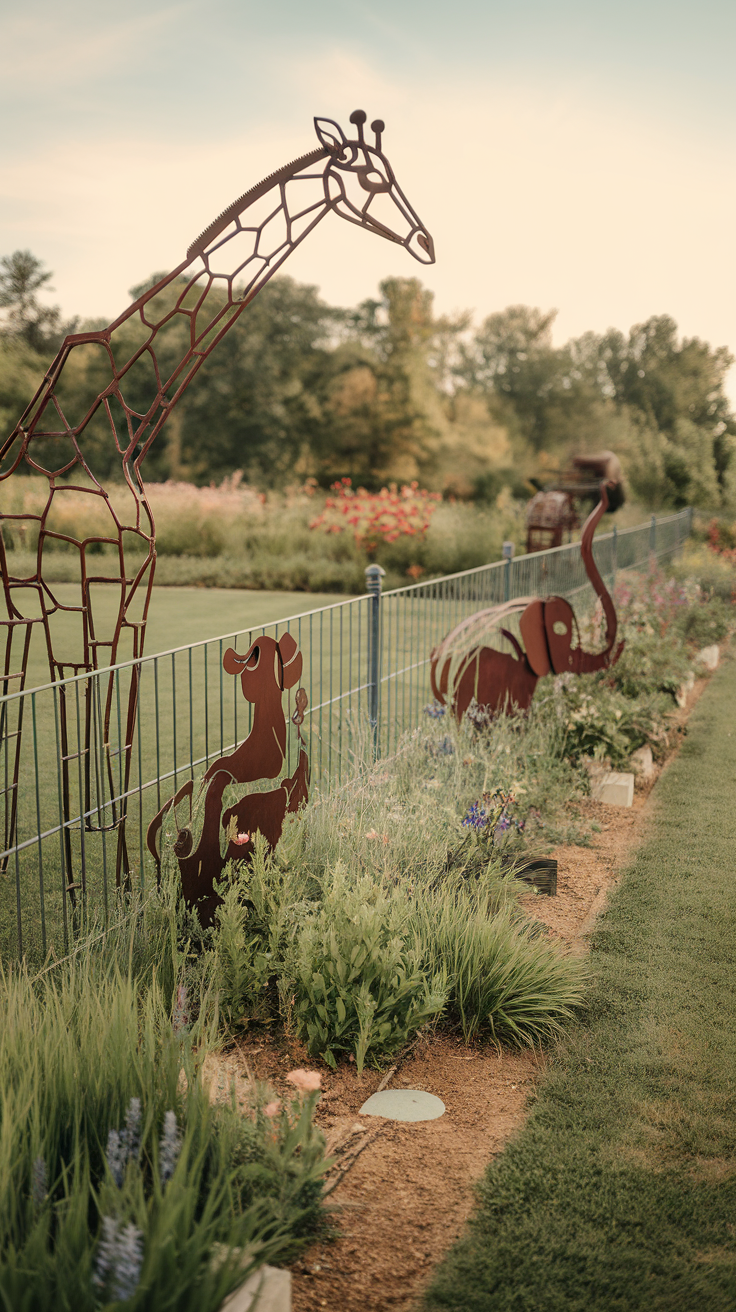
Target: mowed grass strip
620	1191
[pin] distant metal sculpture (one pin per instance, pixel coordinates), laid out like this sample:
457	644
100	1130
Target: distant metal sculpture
553	512
466	667
234	801
58	438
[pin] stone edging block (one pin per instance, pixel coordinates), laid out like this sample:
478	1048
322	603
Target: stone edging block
613	788
267	1290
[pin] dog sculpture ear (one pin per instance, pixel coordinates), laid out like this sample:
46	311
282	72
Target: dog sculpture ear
232	662
292	658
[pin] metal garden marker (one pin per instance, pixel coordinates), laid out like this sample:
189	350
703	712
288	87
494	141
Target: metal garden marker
507	551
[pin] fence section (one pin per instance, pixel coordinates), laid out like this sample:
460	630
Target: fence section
88	787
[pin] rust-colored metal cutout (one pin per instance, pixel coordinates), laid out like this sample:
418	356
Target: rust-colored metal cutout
234	801
224	269
553	511
466	667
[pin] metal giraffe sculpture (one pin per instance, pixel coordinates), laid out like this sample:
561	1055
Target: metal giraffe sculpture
250	240
466	667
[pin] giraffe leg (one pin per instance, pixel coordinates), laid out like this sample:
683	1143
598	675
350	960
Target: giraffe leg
11	728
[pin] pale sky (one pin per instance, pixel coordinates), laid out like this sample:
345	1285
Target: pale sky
563	153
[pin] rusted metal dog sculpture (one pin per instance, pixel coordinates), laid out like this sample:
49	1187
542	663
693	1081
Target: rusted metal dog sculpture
466	667
58	437
220	827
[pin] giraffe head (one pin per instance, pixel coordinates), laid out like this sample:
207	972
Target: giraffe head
361	187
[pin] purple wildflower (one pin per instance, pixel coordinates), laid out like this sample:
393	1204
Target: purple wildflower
117	1156
119	1259
169	1147
435	710
476	818
123	1145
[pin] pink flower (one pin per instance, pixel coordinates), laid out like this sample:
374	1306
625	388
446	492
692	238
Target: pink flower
306	1081
272	1109
240	839
373	834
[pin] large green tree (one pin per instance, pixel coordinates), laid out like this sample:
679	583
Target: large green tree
674	390
391	391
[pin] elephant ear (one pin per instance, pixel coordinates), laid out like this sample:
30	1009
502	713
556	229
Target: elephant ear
533	632
560	627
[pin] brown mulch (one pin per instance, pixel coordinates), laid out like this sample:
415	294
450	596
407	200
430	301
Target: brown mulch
403	1192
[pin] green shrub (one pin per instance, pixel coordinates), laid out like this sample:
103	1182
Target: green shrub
715	574
263	904
504	978
355	975
650	663
700	626
597	720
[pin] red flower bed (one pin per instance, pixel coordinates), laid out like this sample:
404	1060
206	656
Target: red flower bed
373	517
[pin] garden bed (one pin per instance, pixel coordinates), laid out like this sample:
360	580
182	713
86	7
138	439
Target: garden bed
410	1189
402	1193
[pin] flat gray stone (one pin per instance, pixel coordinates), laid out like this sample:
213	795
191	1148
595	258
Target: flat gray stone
267	1290
404	1105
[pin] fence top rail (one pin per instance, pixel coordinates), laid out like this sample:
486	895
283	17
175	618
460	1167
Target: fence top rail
536	555
71	679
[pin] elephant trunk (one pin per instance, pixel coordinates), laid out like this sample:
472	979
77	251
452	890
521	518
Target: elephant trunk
590	661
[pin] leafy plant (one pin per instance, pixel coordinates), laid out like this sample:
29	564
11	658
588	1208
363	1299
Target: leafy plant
356	978
599	721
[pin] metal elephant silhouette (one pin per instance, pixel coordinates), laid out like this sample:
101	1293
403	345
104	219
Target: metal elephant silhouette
249	791
466	667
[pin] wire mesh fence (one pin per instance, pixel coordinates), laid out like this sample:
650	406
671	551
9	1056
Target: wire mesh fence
87	785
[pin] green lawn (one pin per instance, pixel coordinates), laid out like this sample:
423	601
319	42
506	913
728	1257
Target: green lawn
178	616
620	1192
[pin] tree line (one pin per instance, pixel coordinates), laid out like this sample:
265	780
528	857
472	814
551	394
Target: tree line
389	391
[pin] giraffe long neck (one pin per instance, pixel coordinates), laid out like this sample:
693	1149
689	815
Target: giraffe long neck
224	270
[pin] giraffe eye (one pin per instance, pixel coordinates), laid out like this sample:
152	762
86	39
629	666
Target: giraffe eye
372	180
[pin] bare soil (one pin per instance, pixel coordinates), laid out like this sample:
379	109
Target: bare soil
403	1192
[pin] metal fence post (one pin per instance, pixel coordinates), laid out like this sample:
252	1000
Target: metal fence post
614	557
373	576
507	552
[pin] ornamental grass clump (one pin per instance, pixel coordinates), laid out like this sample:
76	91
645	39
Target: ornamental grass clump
505	979
119	1180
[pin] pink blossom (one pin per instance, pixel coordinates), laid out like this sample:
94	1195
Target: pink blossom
272	1109
240	839
306	1081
